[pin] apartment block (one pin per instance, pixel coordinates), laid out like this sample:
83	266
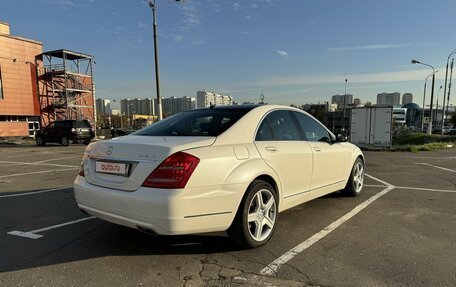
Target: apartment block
206	99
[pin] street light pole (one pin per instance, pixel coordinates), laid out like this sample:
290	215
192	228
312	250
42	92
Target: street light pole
157	77
436	118
432	94
444	90
449	89
153	6
345	102
424	101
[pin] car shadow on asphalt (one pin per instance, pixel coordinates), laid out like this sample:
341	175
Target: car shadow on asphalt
108	240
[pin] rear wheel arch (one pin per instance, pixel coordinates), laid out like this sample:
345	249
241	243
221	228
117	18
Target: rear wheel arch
241	227
269	179
262	177
362	158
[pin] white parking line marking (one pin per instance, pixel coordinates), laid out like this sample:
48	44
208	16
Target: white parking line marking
433	157
374	185
439	167
425	189
37	163
379	180
59	158
33	154
33	234
272	268
35	192
37	172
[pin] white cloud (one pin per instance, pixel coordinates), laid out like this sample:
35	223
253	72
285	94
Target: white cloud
283	54
312	22
371	47
177	38
62	4
127	37
380	77
191	15
142	25
124	35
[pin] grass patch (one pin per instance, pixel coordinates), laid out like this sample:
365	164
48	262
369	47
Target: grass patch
422	142
422	139
423	147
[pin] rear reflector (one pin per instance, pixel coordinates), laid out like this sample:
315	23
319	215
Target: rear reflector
173	172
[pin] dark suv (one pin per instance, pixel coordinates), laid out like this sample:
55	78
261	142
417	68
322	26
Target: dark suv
65	131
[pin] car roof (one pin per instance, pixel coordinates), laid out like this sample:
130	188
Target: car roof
246	107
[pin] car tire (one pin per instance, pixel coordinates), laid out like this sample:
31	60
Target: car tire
256	218
65	141
39	141
356	179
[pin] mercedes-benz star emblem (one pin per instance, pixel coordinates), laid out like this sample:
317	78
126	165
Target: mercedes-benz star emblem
110	148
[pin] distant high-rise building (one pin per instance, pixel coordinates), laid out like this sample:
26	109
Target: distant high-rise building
206	99
103	107
356	101
339	100
137	107
173	105
147	107
407	98
390	99
125	107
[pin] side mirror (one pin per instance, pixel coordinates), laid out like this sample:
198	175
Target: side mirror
341	138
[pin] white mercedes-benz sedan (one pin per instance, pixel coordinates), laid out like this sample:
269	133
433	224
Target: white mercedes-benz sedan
227	168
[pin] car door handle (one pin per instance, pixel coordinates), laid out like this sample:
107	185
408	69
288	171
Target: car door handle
316	148
271	148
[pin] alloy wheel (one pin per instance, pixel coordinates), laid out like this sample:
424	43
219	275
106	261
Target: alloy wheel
262	215
358	176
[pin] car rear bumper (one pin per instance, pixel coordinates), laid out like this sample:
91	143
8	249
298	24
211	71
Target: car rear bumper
162	211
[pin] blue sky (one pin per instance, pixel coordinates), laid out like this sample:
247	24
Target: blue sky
292	51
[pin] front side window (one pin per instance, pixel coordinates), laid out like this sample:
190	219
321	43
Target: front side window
313	130
278	126
205	122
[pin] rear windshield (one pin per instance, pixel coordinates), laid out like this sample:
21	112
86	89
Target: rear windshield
208	122
81	124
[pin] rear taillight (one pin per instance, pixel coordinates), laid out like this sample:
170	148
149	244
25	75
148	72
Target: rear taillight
173	172
81	170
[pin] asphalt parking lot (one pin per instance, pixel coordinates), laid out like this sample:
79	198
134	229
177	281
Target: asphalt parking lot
399	232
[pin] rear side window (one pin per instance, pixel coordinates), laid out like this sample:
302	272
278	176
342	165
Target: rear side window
210	122
81	124
278	126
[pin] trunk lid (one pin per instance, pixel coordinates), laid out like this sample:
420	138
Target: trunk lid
142	154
